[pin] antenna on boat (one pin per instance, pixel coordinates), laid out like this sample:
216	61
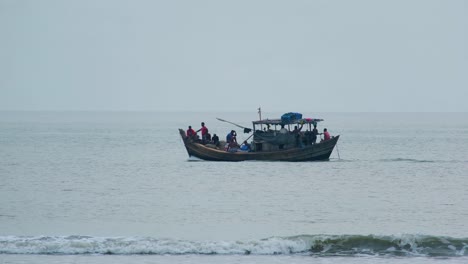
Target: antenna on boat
260	113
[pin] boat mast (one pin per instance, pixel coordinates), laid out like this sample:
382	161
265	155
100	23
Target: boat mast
260	117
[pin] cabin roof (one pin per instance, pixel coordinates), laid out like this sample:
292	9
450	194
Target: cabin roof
279	121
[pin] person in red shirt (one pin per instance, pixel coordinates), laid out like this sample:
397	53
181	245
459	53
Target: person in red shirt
191	133
204	132
326	135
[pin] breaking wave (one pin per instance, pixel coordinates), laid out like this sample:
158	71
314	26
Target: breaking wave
314	245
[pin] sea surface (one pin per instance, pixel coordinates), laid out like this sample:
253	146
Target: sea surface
119	187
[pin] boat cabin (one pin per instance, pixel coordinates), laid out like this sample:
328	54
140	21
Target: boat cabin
279	134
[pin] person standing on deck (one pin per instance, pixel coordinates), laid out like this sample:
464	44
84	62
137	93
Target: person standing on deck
308	137
231	142
314	134
297	130
297	134
283	130
231	137
204	132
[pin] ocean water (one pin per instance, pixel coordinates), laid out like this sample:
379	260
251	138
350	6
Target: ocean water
119	187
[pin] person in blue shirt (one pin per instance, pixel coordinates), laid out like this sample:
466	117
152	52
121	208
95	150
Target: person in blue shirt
231	142
245	146
231	137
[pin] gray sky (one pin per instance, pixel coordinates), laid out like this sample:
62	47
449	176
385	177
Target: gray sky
317	56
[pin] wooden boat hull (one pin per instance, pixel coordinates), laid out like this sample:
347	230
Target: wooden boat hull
319	151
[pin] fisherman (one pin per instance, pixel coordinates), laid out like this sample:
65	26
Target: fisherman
191	133
297	135
297	130
231	142
204	132
231	137
307	137
245	146
215	140
314	134
326	135
283	130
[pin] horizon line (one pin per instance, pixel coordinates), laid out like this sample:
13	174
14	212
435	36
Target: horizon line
219	111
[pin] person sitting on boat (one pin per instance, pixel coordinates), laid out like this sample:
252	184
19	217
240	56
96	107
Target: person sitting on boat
191	133
326	135
204	132
215	140
245	147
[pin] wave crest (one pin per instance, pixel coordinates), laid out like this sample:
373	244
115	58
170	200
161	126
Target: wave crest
317	245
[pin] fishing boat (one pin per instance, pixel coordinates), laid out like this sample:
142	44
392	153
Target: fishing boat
269	142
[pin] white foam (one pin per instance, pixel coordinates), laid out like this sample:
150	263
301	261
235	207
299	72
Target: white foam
136	245
412	245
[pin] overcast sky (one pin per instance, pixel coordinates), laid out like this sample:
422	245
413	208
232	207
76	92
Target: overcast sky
317	56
